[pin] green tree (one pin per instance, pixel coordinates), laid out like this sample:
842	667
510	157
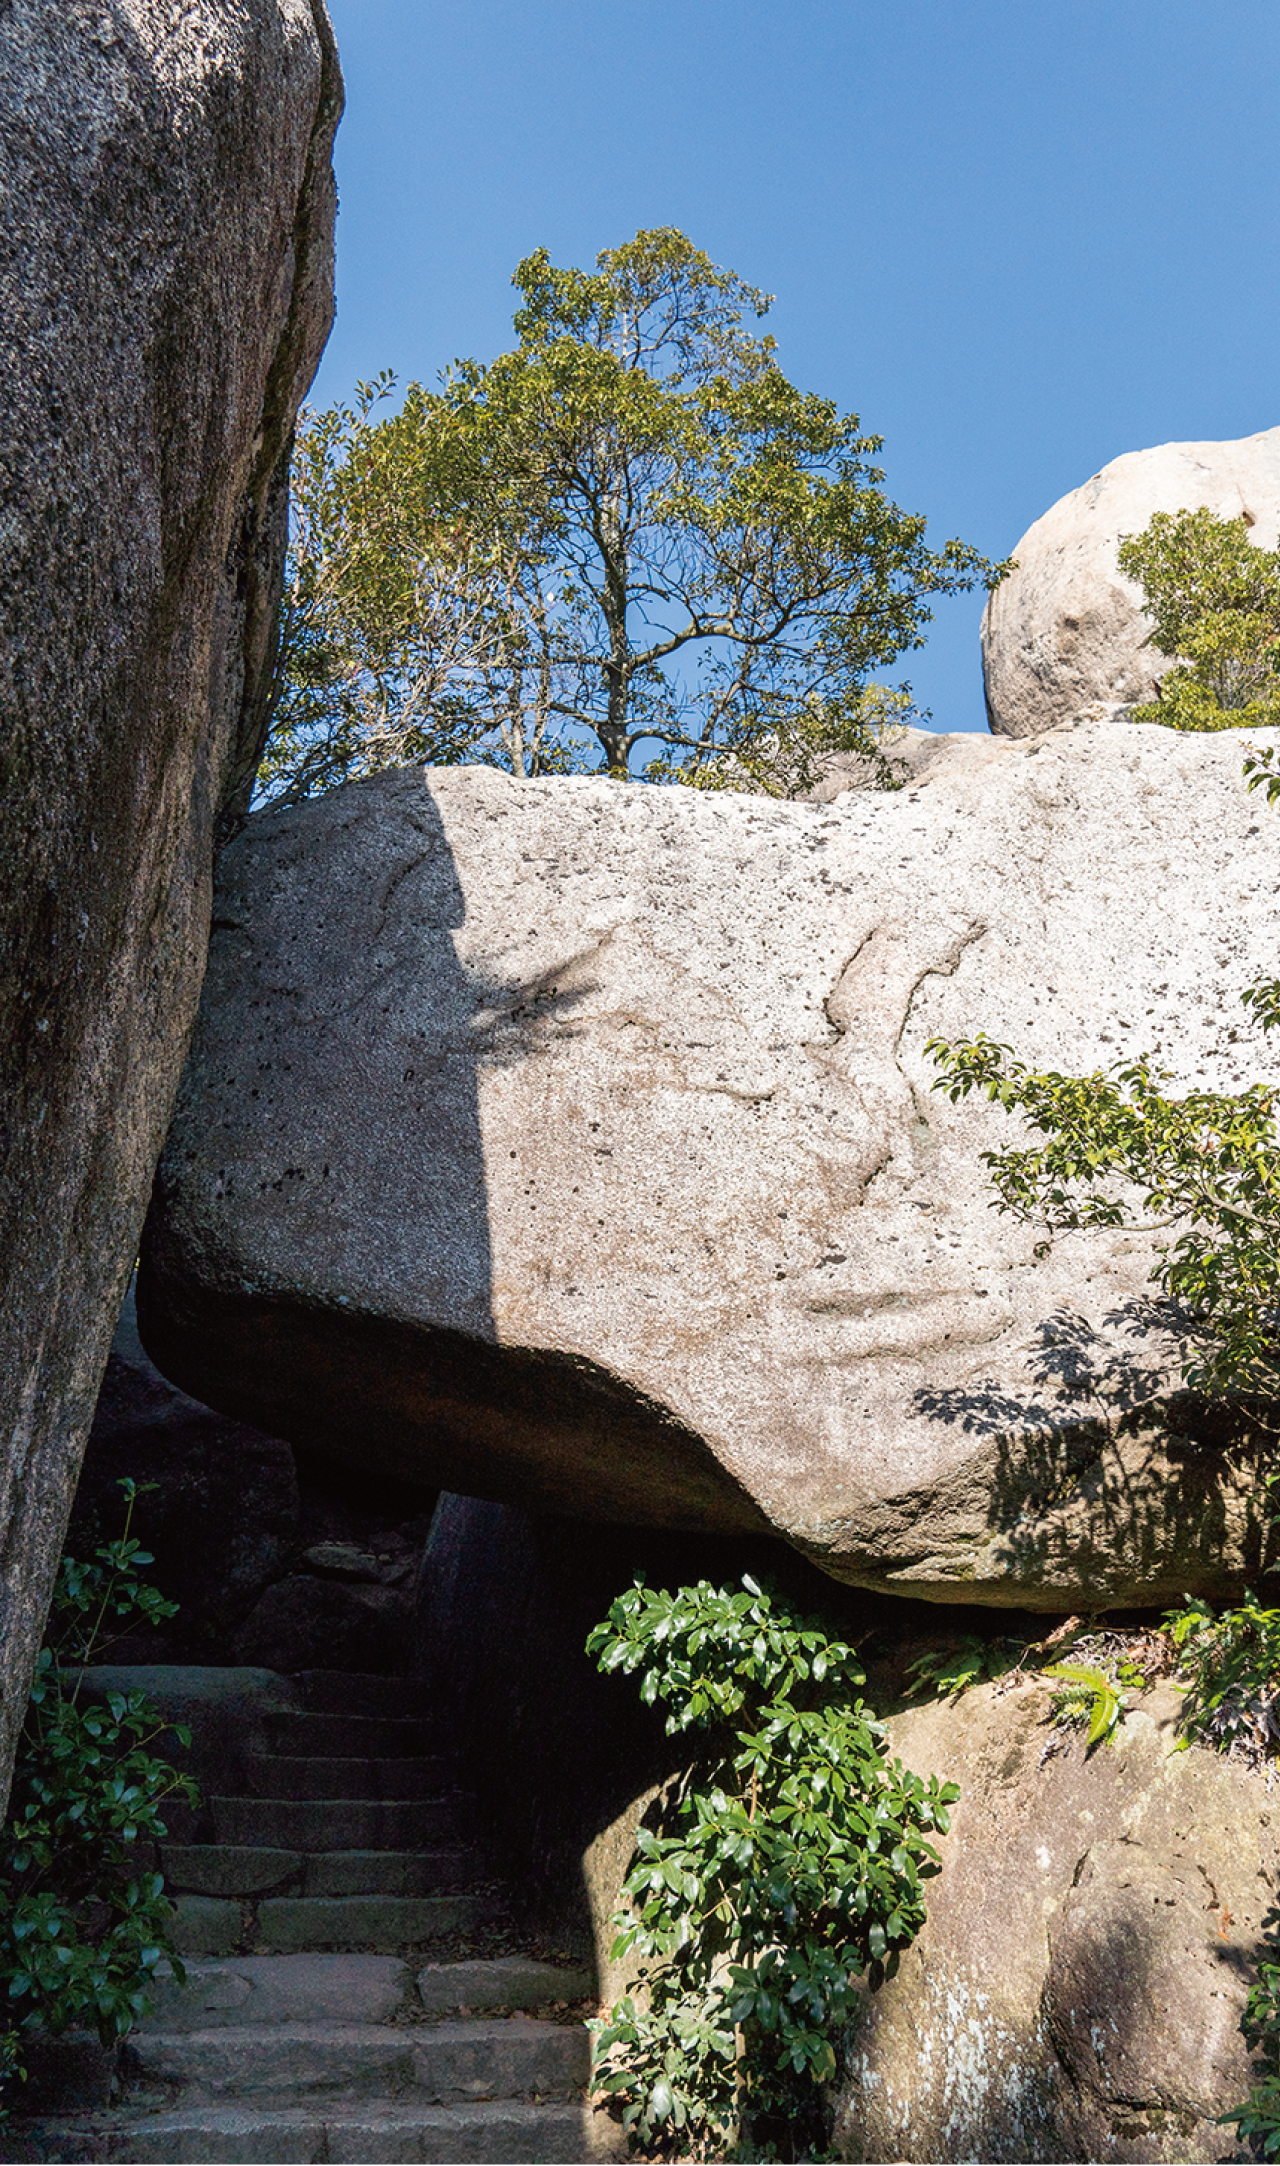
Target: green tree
629	530
1216	604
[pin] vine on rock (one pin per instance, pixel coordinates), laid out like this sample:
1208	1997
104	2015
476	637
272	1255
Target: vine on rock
781	1874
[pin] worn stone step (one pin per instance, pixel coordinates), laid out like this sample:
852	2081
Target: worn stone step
336	1823
310	1988
456	1871
240	1870
273	1774
348	1692
294	1923
350	1736
509	1981
377	2132
209	1925
445	2062
227	1869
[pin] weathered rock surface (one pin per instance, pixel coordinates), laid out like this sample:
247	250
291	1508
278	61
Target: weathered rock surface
574	1144
165	291
1077	1989
219	1508
305	1622
1066	631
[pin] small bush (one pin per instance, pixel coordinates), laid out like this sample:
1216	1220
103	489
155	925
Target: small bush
1216	603
84	1921
786	1867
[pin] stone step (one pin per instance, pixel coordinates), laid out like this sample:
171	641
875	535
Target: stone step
273	1774
248	1989
347	1692
289	1924
227	1869
377	2132
350	1736
508	1981
443	2062
206	1925
336	1823
239	1870
455	1871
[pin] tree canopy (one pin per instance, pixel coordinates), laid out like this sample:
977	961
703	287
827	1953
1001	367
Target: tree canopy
1216	603
629	533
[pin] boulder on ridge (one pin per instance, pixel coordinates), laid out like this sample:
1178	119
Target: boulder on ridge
165	292
1066	633
572	1144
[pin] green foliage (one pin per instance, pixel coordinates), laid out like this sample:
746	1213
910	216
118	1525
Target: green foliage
952	1670
84	1922
787	1865
629	530
1121	1152
1258	2119
1090	1700
1230	1662
1216	604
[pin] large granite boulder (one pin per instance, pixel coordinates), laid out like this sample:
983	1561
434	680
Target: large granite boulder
572	1143
165	291
1077	1989
1066	632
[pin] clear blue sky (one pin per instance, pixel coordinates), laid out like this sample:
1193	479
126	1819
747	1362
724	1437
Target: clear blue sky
1017	237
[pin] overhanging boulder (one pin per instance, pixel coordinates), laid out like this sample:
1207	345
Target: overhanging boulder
572	1144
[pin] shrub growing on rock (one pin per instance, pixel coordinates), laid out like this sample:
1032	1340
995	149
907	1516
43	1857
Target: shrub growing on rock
785	1867
1118	1149
1216	604
84	1921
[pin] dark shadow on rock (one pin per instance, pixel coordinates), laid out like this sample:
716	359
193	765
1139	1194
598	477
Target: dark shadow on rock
1132	1980
557	1754
1101	1472
387	1192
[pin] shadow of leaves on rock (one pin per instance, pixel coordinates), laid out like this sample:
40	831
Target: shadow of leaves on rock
1104	1477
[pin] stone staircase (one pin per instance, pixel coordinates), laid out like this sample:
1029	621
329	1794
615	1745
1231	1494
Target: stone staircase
354	1988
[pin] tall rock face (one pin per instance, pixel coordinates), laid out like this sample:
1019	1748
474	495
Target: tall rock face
165	293
1066	633
572	1144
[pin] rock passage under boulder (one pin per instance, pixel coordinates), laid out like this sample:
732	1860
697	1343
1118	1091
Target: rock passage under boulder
573	1144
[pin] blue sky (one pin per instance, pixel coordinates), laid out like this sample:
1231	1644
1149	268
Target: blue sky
1017	238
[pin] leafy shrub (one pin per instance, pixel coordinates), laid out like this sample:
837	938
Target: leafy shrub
948	1672
1258	2120
1216	603
1231	1664
84	1921
786	1864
